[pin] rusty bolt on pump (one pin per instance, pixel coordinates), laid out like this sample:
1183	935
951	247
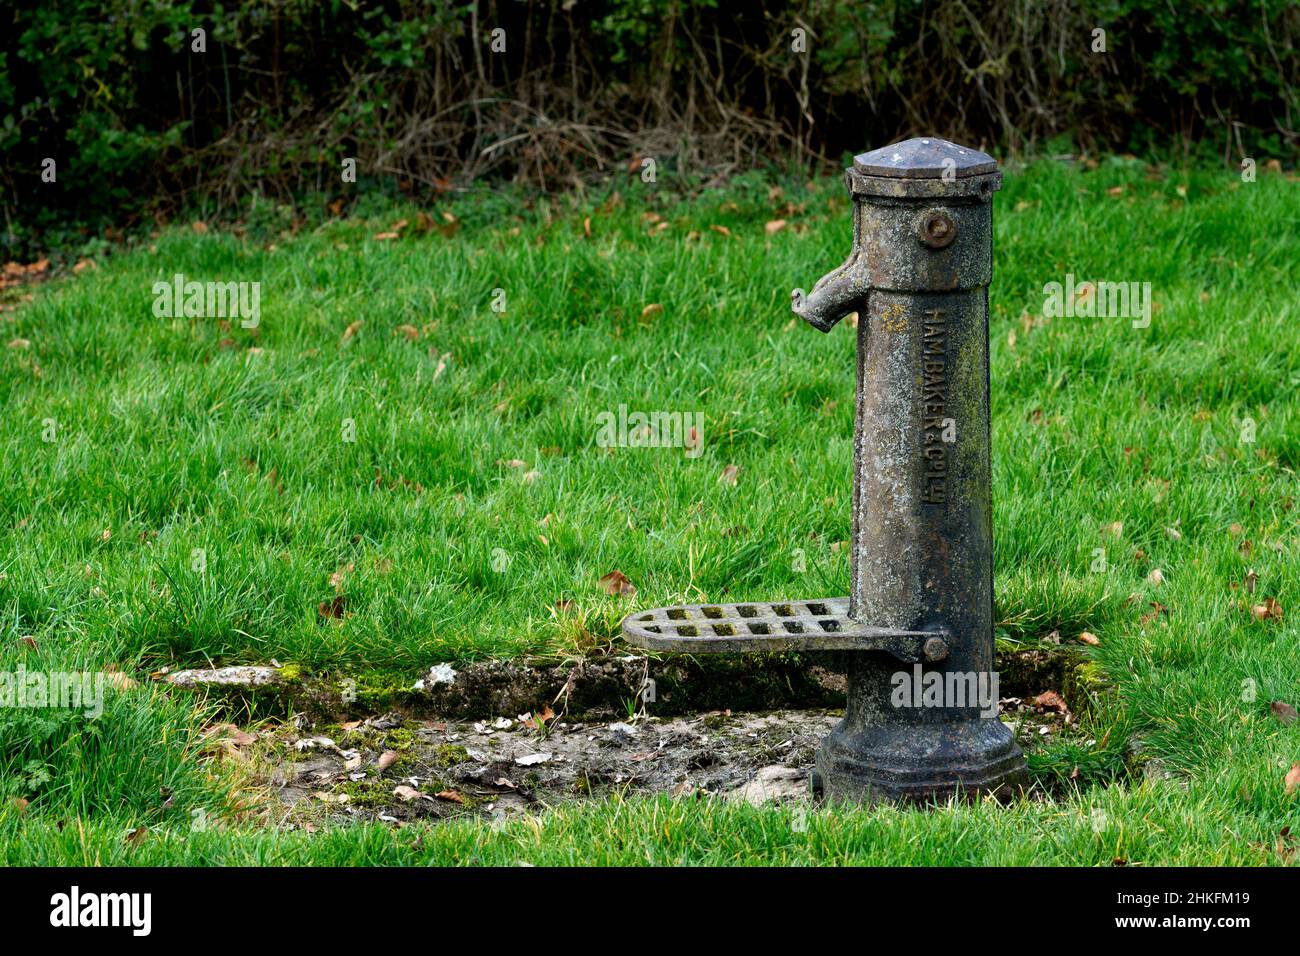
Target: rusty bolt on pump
922	556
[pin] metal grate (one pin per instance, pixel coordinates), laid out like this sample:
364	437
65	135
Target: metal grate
822	624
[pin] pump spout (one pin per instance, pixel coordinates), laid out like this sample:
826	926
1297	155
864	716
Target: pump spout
835	295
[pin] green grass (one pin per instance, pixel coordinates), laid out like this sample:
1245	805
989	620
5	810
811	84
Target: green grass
1146	825
176	443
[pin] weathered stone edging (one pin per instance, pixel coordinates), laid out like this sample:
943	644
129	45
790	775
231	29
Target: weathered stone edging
599	688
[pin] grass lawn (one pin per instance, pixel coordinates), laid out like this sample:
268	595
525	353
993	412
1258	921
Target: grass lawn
388	445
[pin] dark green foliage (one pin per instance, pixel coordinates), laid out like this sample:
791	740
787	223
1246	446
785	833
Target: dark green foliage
135	117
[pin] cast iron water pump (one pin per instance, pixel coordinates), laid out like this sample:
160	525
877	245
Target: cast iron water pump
921	590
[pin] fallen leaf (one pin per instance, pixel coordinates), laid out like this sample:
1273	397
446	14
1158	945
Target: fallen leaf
774	226
1173	534
1114	529
338	577
19	804
199	226
654	308
722	230
536	721
1051	700
332	608
385	236
1087	637
20	343
352	330
238	737
1284	712
1270	610
729	475
409	331
1292	778
617	584
386	759
139	833
407	794
1156	577
451	795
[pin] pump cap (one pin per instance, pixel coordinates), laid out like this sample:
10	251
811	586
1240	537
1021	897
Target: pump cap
926	158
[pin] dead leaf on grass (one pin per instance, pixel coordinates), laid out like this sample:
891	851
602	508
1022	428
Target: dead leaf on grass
617	584
1051	700
1284	712
1292	779
1270	610
332	608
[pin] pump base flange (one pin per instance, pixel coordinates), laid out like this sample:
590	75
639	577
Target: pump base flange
921	764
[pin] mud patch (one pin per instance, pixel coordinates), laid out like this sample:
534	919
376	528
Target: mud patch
396	769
